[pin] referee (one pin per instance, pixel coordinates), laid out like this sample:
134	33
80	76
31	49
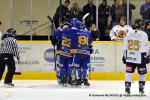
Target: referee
8	50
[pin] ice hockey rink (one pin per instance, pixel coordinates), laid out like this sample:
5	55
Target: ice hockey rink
50	90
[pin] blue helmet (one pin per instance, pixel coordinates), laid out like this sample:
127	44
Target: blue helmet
73	22
76	23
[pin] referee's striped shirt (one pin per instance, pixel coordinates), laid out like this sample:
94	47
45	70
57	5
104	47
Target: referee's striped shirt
10	46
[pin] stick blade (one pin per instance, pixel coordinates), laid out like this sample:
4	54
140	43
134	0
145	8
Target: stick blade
85	16
18	73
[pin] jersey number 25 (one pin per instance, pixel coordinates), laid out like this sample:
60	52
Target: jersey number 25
66	42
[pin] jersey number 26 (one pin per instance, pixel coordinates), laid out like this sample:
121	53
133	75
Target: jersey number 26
133	45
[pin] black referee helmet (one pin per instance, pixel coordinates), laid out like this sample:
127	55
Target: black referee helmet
11	31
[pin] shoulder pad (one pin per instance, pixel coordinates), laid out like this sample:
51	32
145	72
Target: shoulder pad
73	28
128	26
116	26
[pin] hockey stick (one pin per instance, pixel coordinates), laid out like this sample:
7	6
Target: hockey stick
90	72
83	20
53	34
85	16
17	73
53	25
60	12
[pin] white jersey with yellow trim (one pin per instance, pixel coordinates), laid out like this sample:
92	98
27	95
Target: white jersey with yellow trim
135	43
118	32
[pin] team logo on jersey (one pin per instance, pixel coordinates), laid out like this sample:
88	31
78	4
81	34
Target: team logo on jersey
83	40
49	55
121	34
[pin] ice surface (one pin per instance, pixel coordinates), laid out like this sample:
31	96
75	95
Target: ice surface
50	90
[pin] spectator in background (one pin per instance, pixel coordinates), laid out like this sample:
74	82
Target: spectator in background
103	14
76	12
90	8
115	12
124	10
145	11
61	13
94	32
147	29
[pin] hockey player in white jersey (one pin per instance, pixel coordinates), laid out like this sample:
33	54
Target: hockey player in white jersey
118	32
136	55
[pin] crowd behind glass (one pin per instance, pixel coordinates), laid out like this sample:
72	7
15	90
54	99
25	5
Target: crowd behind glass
105	11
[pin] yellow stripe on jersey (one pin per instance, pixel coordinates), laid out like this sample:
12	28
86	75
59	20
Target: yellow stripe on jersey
80	51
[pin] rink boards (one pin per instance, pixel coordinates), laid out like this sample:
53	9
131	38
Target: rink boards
38	63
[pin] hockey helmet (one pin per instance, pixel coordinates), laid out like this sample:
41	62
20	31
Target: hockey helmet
138	23
76	23
11	31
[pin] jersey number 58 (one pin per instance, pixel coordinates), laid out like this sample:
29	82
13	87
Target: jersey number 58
83	40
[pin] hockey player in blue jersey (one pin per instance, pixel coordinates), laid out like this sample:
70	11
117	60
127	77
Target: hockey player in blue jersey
81	49
64	58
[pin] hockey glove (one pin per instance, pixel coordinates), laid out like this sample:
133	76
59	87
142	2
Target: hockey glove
147	59
124	59
91	49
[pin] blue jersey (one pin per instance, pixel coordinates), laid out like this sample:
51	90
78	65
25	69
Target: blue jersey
80	40
58	35
64	42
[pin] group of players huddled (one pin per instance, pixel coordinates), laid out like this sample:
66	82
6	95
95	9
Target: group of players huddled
135	51
74	46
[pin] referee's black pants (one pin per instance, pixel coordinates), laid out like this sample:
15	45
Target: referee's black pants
7	59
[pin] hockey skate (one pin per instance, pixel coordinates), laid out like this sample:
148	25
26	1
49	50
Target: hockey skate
64	81
78	83
70	82
86	83
8	85
141	90
127	90
60	80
